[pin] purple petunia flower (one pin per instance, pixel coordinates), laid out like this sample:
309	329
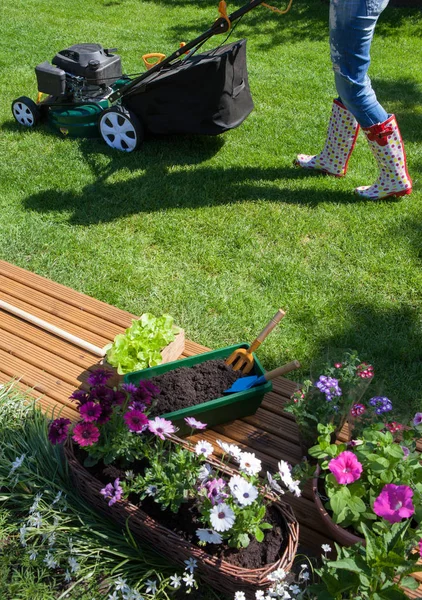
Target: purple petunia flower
394	503
90	412
194	424
58	430
328	386
86	434
417	419
99	377
161	427
381	404
112	492
136	420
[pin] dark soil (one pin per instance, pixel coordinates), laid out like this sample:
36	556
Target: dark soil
188	386
186	522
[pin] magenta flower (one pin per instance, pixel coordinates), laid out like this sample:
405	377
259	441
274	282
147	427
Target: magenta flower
194	424
137	405
130	388
161	427
417	419
90	412
99	377
394	503
420	548
357	410
346	468
86	434
112	492
106	412
136	420
104	395
58	430
80	396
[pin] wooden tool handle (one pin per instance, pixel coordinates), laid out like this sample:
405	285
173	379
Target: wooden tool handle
291	366
267	329
52	329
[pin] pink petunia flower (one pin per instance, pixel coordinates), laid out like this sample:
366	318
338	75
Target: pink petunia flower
161	427
420	547
417	419
90	412
136	420
194	424
86	434
346	468
57	431
394	503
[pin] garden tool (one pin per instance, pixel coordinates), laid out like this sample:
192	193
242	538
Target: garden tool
52	329
342	133
242	359
244	383
387	147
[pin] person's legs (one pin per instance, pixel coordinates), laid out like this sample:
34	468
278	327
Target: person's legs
352	24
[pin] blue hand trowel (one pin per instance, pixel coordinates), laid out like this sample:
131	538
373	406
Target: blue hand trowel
244	383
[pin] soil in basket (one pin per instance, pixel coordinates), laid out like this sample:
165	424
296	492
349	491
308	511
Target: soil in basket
186	522
188	386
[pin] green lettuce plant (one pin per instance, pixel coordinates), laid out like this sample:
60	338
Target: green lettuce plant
140	345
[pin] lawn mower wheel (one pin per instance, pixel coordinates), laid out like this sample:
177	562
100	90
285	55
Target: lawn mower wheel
121	129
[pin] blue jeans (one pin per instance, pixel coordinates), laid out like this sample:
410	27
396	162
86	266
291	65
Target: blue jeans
352	24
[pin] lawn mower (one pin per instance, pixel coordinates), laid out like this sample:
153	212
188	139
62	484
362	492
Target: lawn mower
85	93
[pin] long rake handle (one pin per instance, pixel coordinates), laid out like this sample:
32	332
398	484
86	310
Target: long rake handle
267	329
52	329
291	366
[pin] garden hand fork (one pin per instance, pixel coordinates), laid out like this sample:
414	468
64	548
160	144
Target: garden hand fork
242	359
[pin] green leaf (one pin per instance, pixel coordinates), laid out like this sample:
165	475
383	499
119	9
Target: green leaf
259	534
410	583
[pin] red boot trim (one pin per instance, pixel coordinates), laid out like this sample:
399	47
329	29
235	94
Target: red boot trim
380	132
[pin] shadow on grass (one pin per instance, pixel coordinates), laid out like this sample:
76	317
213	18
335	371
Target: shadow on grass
391	340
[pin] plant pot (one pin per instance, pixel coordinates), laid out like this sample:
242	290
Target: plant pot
217	572
219	410
338	533
170	353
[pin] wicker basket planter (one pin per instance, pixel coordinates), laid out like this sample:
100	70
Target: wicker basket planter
218	573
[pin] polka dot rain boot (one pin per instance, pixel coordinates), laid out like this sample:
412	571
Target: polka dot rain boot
342	132
387	147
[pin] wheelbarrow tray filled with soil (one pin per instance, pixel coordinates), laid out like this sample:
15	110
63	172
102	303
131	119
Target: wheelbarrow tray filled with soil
213	412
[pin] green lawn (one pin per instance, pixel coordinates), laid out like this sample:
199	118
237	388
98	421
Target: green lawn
220	232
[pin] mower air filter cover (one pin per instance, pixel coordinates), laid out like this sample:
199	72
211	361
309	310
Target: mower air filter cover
50	80
90	61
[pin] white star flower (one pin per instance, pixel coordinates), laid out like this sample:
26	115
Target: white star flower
121	585
33	555
151	586
295	589
326	548
222	517
50	561
67	576
259	595
191	565
175	581
189	580
73	564
17	463
239	596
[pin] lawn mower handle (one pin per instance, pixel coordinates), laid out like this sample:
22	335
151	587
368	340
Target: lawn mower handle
221	25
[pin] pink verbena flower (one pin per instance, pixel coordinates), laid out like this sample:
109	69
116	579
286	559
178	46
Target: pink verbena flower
346	468
357	410
136	420
90	412
161	427
394	503
58	430
86	434
194	424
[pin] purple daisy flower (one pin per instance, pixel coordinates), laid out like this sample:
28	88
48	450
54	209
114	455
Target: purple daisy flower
90	412
136	420
130	388
161	427
119	397
80	396
137	405
86	434
58	430
194	424
106	412
103	394
99	377
112	492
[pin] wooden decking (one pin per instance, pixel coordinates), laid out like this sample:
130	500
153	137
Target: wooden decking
50	369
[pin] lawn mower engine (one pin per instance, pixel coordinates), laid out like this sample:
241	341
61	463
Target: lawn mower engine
81	73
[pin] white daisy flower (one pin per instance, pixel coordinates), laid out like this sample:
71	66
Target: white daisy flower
294	488
249	463
273	484
239	596
175	581
189	580
151	490
205	472
209	536
224	446
204	448
326	548
222	517
151	586
245	493
235	482
285	472
191	565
